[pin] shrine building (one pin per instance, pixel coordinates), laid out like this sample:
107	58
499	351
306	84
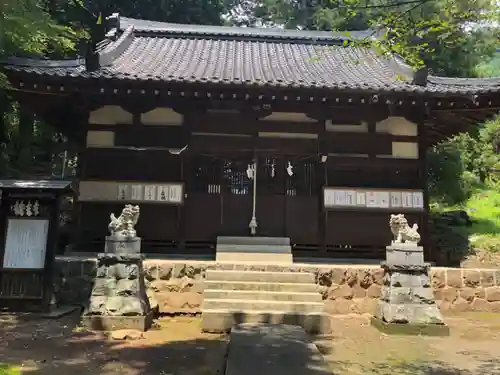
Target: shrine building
207	128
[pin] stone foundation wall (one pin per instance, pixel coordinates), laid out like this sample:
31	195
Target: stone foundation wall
177	286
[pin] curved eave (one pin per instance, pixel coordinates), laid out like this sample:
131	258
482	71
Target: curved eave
72	74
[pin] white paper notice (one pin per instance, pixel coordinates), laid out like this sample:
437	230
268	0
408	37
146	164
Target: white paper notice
361	198
329	197
418	199
123	192
371	199
175	194
396	199
162	193
137	192
350	196
383	199
26	243
340	198
407	198
149	193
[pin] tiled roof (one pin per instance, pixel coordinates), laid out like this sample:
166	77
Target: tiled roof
162	52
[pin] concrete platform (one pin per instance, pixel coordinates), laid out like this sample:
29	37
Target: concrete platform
262	295
267	349
263	305
254	249
223	320
262	276
261	286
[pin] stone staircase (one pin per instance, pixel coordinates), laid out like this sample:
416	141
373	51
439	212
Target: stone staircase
233	297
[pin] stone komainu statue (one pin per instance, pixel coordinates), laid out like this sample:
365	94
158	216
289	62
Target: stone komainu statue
401	231
124	225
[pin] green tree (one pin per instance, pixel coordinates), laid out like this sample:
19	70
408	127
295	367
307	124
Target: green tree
432	33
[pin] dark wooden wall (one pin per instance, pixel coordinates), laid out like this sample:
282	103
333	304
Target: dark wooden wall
219	194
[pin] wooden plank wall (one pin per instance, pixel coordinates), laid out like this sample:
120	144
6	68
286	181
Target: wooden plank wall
139	152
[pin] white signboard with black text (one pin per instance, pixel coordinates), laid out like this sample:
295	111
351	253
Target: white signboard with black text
26	243
372	199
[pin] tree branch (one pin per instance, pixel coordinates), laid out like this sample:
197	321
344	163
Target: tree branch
382	6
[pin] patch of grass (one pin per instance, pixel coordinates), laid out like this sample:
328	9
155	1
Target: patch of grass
483	207
6	369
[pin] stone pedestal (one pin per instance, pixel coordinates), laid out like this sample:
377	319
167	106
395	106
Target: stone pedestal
407	302
122	245
119	299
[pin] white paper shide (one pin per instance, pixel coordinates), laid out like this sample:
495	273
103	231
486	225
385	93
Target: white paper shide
26	243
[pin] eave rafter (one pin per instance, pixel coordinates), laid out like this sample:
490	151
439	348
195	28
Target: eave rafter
179	91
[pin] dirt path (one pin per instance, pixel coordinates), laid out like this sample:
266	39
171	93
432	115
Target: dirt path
48	347
472	349
177	347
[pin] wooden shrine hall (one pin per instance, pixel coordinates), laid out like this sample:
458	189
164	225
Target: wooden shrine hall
224	131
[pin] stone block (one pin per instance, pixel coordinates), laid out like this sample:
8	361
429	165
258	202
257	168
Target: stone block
469	294
114	245
423	295
472	278
487	278
340	292
365	278
399	295
378	276
454	278
438	278
126	306
127	287
493	294
104	287
408	313
401	254
449	294
113	323
374	291
165	271
460	305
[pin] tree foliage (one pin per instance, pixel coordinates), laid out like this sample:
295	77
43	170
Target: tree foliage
437	34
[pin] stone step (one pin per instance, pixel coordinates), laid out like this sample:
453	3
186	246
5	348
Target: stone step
262	286
262	295
256	256
262	276
222	320
253	241
247	305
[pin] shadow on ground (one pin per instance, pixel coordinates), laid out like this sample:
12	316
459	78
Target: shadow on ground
50	347
57	348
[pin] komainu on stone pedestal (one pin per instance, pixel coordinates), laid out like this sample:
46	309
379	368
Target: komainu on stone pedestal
407	304
119	299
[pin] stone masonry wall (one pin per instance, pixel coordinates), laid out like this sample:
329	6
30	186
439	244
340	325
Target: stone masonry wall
177	286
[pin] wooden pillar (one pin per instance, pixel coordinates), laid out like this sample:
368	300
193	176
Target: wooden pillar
322	173
422	154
